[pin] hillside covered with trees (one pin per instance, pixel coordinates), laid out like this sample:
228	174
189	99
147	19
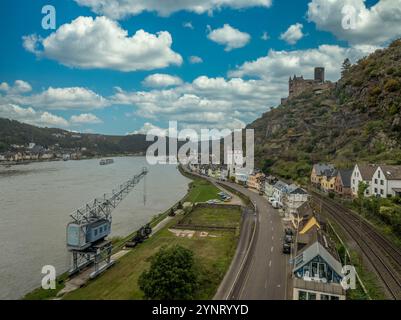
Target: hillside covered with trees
17	133
358	120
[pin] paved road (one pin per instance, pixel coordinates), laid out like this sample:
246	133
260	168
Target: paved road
266	277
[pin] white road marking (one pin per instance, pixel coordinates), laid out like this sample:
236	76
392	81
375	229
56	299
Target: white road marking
272	249
270	263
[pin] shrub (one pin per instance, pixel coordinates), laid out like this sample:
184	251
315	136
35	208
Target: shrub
375	91
172	275
392	85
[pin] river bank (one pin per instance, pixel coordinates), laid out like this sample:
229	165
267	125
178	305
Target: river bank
214	252
36	200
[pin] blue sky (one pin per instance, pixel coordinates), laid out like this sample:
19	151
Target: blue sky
94	89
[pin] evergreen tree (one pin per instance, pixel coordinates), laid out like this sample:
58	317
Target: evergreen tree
345	67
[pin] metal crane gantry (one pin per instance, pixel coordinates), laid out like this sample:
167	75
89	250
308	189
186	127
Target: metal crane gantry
91	224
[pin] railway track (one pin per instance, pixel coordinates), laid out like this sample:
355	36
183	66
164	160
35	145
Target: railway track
383	255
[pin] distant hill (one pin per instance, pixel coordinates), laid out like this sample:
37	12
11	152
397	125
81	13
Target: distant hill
14	132
358	120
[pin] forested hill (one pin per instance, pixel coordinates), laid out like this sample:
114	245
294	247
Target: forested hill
357	120
14	132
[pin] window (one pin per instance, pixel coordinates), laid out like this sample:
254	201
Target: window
376	190
95	232
382	182
324	297
382	192
376	181
302	295
315	269
379	174
322	271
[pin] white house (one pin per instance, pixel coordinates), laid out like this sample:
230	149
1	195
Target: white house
241	176
279	191
295	198
386	181
362	173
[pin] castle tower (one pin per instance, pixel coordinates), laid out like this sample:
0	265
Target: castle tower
319	74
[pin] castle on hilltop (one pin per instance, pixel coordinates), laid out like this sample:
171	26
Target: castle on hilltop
298	85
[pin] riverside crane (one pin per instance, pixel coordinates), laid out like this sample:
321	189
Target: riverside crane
91	224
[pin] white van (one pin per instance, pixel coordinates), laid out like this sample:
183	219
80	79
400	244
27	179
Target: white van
276	205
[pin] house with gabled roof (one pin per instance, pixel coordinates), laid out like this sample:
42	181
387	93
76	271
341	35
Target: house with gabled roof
319	171
362	173
294	198
342	185
317	268
279	191
386	181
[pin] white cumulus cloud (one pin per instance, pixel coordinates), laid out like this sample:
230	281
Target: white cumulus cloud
85	118
205	103
101	43
376	25
195	59
293	34
159	80
229	37
19	86
77	98
31	116
278	66
118	9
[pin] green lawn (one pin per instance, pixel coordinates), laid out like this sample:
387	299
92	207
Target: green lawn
201	191
213	256
221	217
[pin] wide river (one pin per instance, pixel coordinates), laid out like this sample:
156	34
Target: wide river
36	200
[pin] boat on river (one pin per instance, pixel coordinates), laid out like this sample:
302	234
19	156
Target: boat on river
105	162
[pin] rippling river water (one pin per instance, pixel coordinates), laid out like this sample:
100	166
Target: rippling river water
36	200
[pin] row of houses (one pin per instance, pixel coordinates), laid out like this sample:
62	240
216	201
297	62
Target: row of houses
381	180
289	197
33	152
280	194
316	266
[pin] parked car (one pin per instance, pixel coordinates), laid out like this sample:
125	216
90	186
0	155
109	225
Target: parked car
288	239
289	232
276	205
286	248
215	201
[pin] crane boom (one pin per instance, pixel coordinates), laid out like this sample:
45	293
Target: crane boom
101	208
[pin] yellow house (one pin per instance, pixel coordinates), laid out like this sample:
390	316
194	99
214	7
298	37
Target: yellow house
254	181
328	183
322	175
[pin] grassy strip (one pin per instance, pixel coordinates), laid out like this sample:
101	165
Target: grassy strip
199	189
213	217
213	256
